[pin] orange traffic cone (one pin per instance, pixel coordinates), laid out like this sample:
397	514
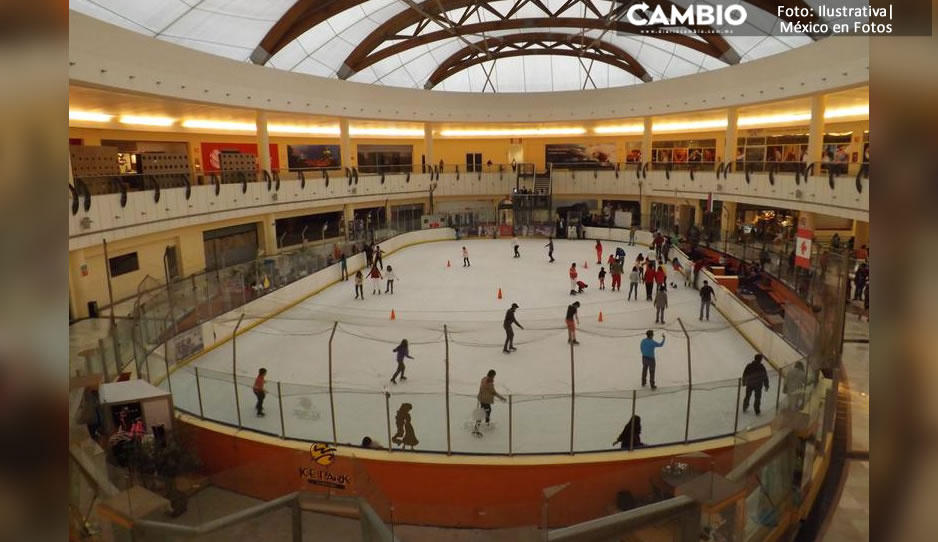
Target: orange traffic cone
447	263
600	316
499	293
393	316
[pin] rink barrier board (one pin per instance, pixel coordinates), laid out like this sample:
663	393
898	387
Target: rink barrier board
449	235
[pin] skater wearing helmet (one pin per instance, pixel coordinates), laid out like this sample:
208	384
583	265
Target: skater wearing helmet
487	395
572	320
402	351
509	332
573	276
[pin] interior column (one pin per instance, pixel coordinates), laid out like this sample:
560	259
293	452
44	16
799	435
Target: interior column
345	144
816	129
729	144
263	142
428	143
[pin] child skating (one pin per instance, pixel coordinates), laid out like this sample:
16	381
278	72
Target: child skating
573	276
550	249
359	288
375	276
602	278
599	253
389	281
465	257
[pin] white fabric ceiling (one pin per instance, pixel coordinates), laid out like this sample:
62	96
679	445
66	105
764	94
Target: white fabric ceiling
234	28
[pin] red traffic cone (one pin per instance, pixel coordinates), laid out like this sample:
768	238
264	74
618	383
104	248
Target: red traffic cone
600	316
447	263
499	293
393	316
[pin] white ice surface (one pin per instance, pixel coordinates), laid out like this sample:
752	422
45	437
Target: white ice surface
428	294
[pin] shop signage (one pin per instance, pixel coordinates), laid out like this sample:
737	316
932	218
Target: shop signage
320	473
803	241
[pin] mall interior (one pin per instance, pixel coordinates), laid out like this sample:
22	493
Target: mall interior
229	158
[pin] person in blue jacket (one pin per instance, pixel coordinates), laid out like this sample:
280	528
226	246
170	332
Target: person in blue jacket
648	346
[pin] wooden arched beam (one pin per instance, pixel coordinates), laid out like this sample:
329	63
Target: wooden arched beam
604	58
307	14
582	46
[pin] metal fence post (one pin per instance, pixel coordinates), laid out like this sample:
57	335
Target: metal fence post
387	411
283	427
778	391
509	424
107	375
739	389
572	397
198	392
632	419
169	382
234	367
690	382
335	438
449	448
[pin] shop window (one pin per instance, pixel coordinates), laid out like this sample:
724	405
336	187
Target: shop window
121	265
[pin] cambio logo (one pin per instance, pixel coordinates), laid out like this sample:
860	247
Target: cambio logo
694	14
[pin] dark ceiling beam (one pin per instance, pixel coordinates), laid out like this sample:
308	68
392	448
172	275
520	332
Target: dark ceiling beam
522	42
356	62
436	78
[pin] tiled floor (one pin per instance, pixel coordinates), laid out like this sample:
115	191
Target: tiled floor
850	521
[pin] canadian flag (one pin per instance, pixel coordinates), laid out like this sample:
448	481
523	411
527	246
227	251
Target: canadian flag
803	248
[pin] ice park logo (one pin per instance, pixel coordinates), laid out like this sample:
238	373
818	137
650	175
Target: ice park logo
694	14
322	454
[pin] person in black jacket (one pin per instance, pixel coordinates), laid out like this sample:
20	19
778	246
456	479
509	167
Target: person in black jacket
509	332
754	378
633	431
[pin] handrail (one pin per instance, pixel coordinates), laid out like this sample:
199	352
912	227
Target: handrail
219	523
610	526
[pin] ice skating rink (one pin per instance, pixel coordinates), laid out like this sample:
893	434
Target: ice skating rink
427	294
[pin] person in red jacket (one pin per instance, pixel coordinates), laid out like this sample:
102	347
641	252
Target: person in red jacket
573	275
649	279
599	252
661	277
375	277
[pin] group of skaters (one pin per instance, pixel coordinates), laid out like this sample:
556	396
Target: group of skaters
382	279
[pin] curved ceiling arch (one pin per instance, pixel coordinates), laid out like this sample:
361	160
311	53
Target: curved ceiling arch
533	44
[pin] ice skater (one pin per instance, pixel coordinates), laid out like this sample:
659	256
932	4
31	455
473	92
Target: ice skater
405	435
465	257
633	283
402	351
661	303
516	245
755	377
602	278
572	320
648	346
649	278
581	286
550	248
661	276
620	255
375	276
259	390
359	287
707	298
509	331
343	266
378	254
389	280
599	252
631	433
487	396
615	269
640	263
679	270
573	276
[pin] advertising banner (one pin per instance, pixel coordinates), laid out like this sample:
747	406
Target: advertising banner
211	152
573	155
313	156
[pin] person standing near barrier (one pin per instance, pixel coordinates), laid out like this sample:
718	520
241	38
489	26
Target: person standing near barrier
632	432
599	252
510	320
698	265
794	386
343	261
706	299
755	377
550	248
259	390
647	347
632	236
